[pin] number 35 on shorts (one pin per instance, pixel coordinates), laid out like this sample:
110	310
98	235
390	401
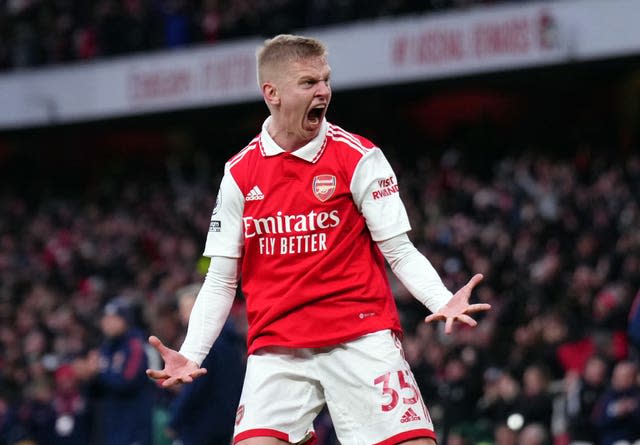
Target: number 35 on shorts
398	386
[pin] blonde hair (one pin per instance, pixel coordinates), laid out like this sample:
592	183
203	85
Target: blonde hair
286	48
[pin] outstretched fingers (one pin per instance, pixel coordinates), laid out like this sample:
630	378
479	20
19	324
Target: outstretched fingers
198	373
185	378
157	374
448	326
473	282
463	318
458	308
434	317
478	307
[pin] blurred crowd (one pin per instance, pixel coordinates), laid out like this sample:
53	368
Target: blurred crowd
554	361
43	32
557	241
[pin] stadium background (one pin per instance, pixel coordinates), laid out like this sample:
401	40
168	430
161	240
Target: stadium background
529	175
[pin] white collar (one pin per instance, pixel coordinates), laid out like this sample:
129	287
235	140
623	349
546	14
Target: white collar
308	152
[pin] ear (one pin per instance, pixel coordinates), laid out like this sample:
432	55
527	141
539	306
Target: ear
270	94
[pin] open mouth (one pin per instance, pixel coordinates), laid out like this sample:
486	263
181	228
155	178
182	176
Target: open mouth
315	115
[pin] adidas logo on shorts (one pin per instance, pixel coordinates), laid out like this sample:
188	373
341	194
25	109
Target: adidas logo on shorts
409	416
255	194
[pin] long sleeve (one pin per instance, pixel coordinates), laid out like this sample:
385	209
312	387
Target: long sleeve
211	308
415	272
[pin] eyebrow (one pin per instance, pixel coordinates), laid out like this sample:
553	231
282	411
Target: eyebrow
313	77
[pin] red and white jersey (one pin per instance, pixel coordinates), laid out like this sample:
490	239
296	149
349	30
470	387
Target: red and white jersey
304	225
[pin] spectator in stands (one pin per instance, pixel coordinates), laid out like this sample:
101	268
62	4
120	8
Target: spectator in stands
500	397
36	412
210	20
582	392
535	402
70	409
458	392
117	376
34	33
617	413
11	430
633	326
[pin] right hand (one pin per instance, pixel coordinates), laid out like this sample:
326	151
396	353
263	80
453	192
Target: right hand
177	368
458	308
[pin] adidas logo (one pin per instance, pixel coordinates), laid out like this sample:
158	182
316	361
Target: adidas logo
255	194
409	416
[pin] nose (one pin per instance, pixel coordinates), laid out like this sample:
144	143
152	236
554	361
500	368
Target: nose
323	89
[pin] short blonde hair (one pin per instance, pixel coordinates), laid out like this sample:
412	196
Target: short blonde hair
285	48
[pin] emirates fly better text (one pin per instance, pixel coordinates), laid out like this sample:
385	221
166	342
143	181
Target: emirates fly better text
306	232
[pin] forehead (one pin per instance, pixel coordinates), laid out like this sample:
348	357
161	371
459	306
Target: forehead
313	66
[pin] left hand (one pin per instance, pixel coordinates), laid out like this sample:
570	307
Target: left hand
458	308
177	368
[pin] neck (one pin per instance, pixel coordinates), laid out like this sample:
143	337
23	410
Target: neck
288	142
286	139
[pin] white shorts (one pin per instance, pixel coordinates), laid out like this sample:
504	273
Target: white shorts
366	383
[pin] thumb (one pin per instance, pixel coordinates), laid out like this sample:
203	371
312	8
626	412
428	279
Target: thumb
158	345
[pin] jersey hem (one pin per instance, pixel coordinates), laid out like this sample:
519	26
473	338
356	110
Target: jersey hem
322	344
408	435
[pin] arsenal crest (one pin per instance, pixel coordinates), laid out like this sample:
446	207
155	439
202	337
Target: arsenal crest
324	186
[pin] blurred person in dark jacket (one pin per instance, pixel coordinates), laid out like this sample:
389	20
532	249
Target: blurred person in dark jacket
56	414
617	413
458	391
535	402
12	432
500	397
203	413
117	378
583	391
72	409
36	411
633	326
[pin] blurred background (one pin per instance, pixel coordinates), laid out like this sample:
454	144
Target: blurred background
513	130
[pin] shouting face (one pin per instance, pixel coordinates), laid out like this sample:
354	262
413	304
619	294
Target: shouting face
298	97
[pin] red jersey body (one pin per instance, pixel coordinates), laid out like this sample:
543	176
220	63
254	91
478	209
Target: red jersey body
304	225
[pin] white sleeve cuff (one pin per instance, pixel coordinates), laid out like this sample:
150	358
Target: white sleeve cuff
211	308
415	272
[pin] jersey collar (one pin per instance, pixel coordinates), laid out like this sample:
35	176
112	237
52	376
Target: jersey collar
308	152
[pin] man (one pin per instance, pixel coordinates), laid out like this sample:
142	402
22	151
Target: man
117	376
633	327
582	393
306	214
617	412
